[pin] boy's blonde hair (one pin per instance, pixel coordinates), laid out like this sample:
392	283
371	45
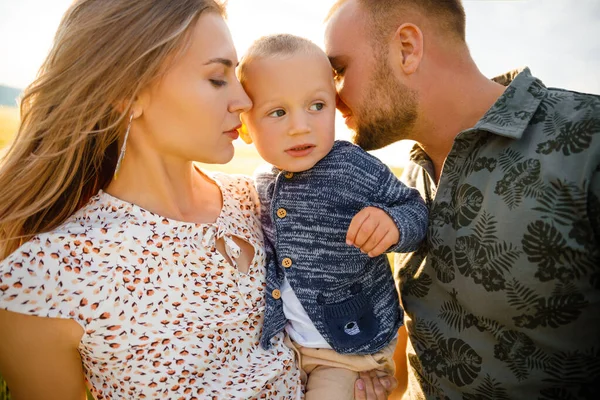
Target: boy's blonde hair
282	44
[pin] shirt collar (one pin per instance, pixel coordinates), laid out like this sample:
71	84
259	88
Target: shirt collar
511	113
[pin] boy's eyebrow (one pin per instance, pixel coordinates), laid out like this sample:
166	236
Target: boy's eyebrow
226	62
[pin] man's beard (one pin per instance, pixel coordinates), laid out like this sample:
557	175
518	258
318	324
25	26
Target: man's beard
388	112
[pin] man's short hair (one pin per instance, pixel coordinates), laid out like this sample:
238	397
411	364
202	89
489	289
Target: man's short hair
282	44
448	15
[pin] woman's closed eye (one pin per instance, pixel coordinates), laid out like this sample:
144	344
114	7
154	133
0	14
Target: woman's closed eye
317	106
277	113
218	82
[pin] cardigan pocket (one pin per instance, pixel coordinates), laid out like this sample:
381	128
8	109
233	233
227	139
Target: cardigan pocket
350	323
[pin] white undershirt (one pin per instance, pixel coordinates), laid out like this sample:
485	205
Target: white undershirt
299	327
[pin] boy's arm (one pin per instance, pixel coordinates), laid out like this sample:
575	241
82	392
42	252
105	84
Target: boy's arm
406	208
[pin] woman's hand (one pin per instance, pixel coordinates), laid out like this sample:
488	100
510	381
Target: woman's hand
370	387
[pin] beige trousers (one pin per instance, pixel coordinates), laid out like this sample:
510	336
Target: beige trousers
328	375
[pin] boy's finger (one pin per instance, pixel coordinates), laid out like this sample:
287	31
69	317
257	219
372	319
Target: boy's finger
373	240
355	225
384	244
366	230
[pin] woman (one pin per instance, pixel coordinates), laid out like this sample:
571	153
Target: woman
121	262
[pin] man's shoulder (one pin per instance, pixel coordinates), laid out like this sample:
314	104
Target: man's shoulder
572	104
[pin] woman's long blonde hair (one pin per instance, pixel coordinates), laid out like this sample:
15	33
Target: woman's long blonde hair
75	112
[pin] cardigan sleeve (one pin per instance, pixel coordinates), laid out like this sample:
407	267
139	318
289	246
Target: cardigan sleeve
405	206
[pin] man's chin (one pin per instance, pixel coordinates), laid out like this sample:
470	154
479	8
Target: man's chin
349	121
369	141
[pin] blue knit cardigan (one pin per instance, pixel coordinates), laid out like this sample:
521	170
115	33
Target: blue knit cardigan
350	297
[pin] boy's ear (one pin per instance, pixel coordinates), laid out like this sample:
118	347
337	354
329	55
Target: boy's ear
244	134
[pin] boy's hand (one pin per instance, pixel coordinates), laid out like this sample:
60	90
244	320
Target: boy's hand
373	231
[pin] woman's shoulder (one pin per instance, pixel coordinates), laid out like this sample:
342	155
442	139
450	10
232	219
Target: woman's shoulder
52	273
232	180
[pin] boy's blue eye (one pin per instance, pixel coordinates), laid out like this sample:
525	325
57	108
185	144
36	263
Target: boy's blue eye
277	113
317	106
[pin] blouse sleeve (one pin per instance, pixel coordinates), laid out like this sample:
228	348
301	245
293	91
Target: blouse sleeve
45	277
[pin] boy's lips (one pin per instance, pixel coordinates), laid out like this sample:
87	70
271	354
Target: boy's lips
300	150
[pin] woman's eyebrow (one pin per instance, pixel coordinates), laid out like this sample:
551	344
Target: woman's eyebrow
226	62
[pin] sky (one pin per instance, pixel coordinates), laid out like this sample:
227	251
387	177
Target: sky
558	39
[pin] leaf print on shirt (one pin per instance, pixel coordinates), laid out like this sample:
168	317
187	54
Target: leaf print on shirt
484	163
462	363
442	262
565	370
467	204
559	201
586	101
521	178
483	257
453	314
490	389
499	113
551	100
562	307
451	358
428	382
573	136
545	245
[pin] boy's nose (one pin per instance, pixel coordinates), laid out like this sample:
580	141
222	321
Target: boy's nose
299	124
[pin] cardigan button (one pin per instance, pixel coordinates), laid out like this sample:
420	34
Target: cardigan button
289	175
286	262
281	213
276	294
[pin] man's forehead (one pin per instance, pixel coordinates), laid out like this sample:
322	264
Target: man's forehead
346	21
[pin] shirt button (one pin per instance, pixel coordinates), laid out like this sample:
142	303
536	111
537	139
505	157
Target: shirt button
289	175
276	294
286	262
281	213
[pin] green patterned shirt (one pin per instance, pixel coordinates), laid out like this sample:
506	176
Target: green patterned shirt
504	295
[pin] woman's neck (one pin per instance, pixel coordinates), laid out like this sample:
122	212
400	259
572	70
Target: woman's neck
172	188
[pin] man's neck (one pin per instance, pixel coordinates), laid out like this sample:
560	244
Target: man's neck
454	103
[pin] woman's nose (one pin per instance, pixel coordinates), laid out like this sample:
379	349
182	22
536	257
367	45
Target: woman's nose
241	102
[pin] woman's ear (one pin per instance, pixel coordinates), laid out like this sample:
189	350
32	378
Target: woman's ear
407	48
135	107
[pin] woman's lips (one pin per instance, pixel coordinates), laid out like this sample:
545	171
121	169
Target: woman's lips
301	150
234	133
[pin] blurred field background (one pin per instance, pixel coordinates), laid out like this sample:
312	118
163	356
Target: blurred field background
245	161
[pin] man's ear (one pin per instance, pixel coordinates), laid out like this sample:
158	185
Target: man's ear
407	48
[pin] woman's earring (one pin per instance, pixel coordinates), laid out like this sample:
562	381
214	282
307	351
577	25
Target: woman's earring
124	147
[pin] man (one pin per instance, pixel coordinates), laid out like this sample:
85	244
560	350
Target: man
503	298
